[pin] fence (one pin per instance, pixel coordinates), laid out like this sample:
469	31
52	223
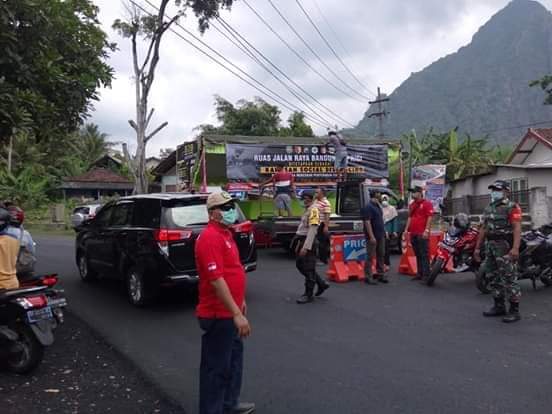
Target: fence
476	204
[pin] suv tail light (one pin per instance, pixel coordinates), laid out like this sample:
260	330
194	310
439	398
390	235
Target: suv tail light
244	227
167	235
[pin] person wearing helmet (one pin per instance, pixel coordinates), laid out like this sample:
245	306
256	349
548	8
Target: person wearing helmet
304	245
501	232
9	249
26	258
461	223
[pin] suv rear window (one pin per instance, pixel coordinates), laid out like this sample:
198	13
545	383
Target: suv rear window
183	213
183	216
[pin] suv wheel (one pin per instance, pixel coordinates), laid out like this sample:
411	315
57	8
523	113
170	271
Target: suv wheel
137	291
86	273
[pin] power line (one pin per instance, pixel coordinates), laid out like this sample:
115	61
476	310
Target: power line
270	94
236	41
314	52
306	62
330	46
515	127
334	33
235	33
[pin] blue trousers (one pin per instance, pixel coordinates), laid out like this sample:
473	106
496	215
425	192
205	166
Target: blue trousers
221	368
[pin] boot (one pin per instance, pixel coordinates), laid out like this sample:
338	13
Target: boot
321	285
307	297
369	280
382	279
499	309
513	314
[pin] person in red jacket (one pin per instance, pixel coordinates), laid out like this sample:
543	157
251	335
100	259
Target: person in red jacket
418	226
221	311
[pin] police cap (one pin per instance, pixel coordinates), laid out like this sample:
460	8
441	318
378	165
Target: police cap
500	185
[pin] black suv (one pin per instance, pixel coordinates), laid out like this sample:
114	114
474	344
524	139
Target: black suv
148	241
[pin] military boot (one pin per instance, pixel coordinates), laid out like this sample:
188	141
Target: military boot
321	285
499	309
308	296
513	314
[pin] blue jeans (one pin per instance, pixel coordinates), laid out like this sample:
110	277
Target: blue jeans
221	367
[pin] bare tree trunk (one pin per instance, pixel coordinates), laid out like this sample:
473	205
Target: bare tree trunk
10	152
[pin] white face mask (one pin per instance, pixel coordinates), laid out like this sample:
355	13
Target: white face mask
385	203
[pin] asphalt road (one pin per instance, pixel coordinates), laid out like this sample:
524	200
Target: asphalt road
399	348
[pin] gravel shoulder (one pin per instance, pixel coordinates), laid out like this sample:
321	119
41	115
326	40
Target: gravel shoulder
81	373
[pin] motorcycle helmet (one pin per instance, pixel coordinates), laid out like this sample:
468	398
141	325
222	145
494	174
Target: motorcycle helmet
461	221
5	218
17	216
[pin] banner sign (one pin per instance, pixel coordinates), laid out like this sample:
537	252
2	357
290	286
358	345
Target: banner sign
257	162
431	177
186	156
354	248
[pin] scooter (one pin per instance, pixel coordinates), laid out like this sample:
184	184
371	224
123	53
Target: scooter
457	245
28	318
535	259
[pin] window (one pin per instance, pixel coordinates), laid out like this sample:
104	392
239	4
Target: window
147	213
349	199
102	219
519	191
183	216
122	213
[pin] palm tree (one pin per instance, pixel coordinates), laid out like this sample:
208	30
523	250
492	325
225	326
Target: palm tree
93	143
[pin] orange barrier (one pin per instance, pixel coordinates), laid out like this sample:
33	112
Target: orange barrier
407	265
341	270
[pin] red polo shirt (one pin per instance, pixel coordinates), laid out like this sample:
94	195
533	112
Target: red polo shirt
217	255
420	212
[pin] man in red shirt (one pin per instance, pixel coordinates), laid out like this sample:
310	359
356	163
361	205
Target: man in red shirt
284	188
221	311
418	226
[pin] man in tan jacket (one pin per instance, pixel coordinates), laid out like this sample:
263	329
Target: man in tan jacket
9	249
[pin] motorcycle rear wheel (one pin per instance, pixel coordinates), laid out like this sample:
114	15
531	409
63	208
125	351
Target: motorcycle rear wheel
546	277
31	353
436	268
482	282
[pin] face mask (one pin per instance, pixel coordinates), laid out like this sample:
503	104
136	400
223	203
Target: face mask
229	217
496	195
385	203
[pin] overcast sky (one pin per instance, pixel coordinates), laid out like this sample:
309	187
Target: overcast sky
381	44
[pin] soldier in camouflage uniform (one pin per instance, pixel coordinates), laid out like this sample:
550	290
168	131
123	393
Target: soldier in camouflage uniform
304	245
501	231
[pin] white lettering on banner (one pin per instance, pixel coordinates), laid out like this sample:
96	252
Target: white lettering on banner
355	244
262	157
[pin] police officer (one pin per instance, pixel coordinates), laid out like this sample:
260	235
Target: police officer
304	245
501	231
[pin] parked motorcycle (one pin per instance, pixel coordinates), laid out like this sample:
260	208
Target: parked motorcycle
458	245
535	259
28	318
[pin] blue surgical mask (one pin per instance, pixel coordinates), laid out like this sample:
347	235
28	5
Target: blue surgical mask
496	196
229	217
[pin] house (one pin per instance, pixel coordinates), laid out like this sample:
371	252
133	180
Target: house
529	169
95	184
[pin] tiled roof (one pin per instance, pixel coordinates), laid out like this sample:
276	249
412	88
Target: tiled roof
544	133
99	175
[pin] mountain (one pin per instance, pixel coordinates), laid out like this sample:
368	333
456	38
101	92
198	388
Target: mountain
483	86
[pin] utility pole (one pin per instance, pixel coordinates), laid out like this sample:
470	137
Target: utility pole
382	113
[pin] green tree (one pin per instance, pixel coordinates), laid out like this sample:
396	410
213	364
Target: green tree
51	65
152	28
93	143
255	117
297	127
545	83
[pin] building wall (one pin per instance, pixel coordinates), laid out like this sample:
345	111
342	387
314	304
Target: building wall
540	154
540	178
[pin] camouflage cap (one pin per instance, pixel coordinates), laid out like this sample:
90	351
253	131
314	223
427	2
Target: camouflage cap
500	185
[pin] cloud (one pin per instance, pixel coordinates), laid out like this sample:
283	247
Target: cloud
385	41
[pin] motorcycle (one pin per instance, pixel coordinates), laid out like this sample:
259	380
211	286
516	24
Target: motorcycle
28	318
457	245
535	259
